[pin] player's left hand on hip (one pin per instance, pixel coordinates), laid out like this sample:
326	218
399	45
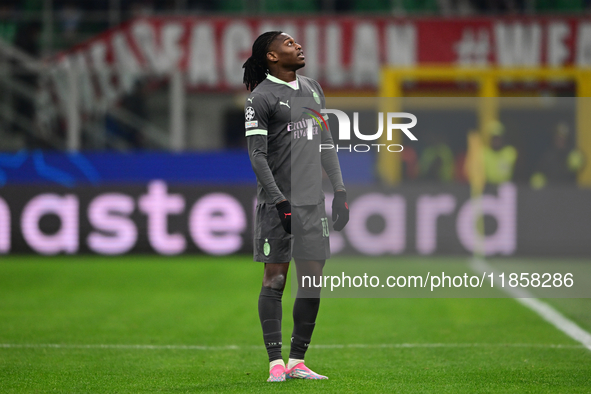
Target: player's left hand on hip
340	210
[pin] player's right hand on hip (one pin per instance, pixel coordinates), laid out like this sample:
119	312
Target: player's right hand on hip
284	211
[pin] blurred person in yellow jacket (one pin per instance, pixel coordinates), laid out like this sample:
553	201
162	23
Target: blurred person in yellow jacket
499	157
560	163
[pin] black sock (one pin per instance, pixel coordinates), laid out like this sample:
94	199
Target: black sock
304	320
270	315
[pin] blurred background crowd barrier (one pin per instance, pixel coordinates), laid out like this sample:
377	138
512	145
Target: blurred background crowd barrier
121	122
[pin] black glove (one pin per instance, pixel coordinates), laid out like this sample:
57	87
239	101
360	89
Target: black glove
284	211
340	210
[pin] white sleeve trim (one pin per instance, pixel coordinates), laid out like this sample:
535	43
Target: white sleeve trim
256	132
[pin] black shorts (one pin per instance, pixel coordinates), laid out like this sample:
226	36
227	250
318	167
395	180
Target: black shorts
309	240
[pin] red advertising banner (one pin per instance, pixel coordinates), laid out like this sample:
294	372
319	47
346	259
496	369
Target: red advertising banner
341	53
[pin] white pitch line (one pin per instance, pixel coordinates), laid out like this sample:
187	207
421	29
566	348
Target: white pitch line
545	311
333	346
122	346
444	345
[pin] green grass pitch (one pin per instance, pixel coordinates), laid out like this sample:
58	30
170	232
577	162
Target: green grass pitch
194	321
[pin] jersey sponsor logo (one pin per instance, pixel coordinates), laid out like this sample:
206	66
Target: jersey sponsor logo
249	113
286	104
254	123
317	116
303	128
250	99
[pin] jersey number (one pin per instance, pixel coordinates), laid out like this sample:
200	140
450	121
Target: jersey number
324	227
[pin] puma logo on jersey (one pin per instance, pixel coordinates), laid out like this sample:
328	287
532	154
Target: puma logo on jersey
250	99
286	104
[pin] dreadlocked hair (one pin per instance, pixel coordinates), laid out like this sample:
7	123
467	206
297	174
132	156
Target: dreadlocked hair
255	67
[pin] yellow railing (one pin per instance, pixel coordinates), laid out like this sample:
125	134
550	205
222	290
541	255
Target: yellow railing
488	79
